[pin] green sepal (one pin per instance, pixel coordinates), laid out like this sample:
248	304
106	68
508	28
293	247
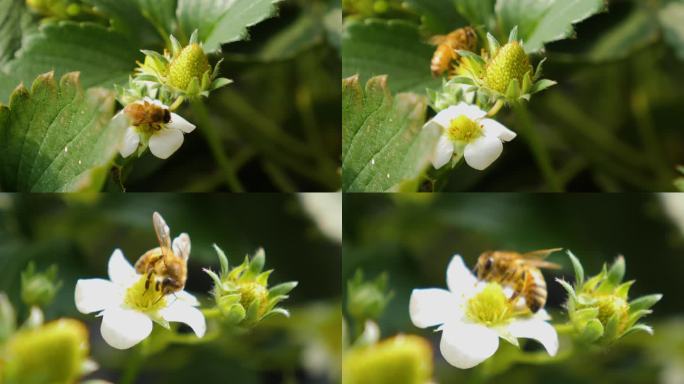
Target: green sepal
644	302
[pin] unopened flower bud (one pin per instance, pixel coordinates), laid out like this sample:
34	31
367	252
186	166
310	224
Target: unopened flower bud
400	359
510	63
191	63
56	352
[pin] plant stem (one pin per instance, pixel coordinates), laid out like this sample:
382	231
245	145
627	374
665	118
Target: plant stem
642	113
238	106
214	140
133	366
496	108
538	148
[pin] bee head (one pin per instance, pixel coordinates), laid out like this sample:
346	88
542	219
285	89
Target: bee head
485	265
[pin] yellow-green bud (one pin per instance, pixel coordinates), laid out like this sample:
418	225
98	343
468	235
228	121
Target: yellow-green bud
611	305
53	353
251	292
401	359
190	63
510	63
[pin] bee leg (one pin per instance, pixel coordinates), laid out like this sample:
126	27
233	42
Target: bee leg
147	282
157	286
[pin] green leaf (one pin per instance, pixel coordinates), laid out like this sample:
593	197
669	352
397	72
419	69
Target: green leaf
384	144
478	12
541	22
15	21
671	17
392	48
437	16
161	13
102	56
126	18
222	21
57	137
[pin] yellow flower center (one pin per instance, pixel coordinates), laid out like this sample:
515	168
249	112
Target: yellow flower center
144	300
464	130
490	306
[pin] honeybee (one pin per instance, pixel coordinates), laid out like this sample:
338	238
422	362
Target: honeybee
145	112
460	39
166	265
520	271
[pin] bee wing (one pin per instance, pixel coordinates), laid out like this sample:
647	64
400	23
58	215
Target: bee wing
162	230
540	254
542	264
437	39
181	246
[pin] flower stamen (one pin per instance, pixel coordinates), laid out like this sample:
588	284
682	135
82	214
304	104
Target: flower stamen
142	299
490	306
462	129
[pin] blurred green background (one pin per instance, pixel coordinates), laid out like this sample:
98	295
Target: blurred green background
79	233
414	236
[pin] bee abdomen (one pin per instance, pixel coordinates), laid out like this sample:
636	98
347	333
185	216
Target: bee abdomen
441	59
536	291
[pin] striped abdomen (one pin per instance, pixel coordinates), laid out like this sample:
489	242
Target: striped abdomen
534	289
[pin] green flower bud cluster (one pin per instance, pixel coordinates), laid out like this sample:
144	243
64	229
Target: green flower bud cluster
56	352
451	93
242	294
36	353
503	73
39	289
367	300
400	359
599	307
172	77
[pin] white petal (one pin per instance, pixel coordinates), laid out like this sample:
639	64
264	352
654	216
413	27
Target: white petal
538	330
542	315
120	271
178	122
481	153
465	345
182	312
496	129
471	111
165	142
124	328
444	117
430	307
130	142
443	152
185	297
92	295
460	279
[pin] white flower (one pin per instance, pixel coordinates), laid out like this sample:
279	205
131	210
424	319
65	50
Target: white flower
128	308
163	138
472	315
466	131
